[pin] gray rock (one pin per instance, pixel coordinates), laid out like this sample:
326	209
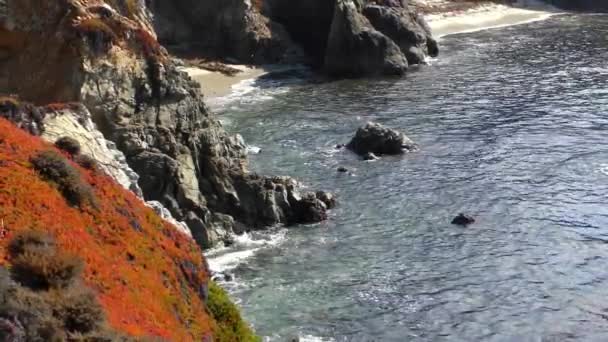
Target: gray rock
327	198
355	48
308	22
225	29
377	139
410	32
166	215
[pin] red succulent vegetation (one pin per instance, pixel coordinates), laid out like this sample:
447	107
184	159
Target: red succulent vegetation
150	279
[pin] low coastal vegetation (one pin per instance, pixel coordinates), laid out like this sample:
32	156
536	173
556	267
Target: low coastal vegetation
43	297
114	269
230	326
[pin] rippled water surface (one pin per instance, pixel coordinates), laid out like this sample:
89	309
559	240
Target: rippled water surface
512	125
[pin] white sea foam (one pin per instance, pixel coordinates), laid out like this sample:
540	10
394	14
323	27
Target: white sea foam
300	338
248	91
253	149
245	246
310	338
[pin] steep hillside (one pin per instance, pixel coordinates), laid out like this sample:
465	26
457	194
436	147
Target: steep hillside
150	279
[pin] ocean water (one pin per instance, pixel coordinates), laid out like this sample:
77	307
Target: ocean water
512	125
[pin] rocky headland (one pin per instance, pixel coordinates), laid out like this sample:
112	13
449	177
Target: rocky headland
99	72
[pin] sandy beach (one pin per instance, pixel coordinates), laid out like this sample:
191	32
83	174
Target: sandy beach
485	16
217	84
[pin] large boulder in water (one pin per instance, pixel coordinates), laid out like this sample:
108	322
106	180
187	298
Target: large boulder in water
380	140
407	29
355	48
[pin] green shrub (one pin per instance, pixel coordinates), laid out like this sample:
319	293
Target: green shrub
55	168
230	325
69	145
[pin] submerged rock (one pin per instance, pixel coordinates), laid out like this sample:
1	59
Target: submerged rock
463	220
379	140
342	169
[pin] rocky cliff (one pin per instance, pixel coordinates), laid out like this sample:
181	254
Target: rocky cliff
341	37
104	56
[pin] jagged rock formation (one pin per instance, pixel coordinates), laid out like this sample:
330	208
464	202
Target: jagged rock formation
378	37
103	55
356	49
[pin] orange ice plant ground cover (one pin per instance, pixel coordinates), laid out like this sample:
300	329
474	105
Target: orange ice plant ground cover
150	279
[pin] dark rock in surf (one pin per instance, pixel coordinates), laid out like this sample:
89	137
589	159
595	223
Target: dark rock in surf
327	198
310	209
379	140
463	220
342	169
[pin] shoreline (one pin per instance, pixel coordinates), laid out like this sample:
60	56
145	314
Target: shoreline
215	84
484	17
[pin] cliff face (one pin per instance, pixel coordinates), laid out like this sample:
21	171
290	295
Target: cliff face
104	55
150	279
222	29
384	37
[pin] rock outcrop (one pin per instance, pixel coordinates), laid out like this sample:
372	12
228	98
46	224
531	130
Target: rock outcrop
228	29
354	48
342	37
406	28
378	140
106	58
